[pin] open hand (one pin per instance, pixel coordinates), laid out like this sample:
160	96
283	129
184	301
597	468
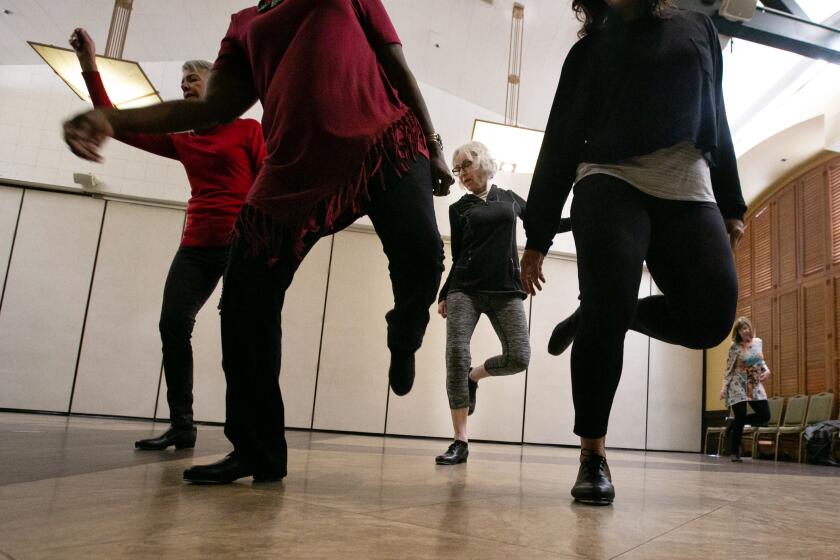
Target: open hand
86	132
531	271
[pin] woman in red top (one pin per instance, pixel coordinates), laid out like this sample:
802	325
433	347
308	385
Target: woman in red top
221	163
346	134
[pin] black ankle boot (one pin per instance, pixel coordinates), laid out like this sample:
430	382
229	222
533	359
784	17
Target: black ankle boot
472	387
594	482
181	438
563	334
401	373
455	454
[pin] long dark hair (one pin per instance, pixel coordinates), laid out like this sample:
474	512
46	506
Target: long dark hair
593	13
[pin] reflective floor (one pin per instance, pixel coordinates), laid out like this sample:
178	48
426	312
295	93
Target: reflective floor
75	488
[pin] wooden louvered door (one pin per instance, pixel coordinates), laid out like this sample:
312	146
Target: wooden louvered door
762	251
785	236
813	203
833	177
743	265
788	343
762	320
815	341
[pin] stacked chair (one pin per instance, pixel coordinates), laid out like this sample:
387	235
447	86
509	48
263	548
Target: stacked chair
720	432
753	433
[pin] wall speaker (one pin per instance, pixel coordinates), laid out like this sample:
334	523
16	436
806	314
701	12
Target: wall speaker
737	10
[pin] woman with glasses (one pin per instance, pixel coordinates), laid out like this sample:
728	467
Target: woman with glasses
484	278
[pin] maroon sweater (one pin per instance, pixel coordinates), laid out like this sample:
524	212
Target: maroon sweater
221	164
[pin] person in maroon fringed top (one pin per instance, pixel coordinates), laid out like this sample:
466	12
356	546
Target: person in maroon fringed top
221	163
347	134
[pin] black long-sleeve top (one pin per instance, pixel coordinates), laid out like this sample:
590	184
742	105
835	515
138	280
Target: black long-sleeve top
627	90
484	252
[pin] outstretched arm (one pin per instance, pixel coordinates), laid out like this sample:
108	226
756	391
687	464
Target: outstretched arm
228	96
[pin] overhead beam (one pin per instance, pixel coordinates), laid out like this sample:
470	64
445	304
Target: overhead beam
790	6
780	31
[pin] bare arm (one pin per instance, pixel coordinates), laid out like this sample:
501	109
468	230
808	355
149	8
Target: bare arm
399	74
227	97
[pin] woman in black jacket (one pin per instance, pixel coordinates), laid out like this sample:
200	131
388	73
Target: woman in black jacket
484	278
638	125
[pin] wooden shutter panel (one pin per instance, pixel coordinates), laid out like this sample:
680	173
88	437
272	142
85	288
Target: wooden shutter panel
743	265
788	352
812	199
785	233
763	325
833	174
762	251
814	301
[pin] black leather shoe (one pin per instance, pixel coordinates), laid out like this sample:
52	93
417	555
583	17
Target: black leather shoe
594	482
455	454
563	334
401	373
473	387
181	438
226	471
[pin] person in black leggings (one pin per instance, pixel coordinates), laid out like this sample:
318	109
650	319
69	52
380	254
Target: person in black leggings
639	127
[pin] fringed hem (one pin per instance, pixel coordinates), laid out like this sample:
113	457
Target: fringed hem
397	147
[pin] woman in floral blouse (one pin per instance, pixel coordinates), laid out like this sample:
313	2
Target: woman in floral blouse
745	370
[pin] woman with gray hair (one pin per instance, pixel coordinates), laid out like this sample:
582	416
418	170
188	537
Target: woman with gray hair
484	278
221	163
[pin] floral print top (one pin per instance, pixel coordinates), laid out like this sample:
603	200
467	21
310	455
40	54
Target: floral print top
743	367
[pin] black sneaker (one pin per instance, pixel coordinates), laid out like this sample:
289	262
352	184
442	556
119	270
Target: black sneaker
473	387
594	482
401	373
455	454
563	334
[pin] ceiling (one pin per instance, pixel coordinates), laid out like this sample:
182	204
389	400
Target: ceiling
458	46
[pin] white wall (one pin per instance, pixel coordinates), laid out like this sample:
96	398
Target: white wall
79	318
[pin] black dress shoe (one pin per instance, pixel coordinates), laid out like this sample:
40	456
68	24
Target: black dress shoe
594	482
473	387
181	438
401	373
563	334
455	454
226	471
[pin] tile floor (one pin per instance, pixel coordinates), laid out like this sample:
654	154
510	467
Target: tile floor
75	488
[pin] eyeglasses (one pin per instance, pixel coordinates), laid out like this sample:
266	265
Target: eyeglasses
465	165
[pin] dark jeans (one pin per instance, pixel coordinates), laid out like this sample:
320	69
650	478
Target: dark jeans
193	275
759	417
685	244
255	287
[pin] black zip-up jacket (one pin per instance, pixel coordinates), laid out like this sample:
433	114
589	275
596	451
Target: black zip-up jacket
484	254
627	90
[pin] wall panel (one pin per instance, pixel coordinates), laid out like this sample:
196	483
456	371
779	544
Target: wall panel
353	378
10	199
45	299
119	364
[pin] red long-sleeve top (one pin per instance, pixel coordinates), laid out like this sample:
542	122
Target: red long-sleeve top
221	163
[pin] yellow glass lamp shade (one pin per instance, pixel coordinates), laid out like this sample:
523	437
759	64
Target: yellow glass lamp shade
126	83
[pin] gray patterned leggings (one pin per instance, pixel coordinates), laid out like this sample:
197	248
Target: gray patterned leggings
507	315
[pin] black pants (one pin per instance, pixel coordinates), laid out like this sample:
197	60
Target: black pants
759	417
403	216
616	228
193	275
